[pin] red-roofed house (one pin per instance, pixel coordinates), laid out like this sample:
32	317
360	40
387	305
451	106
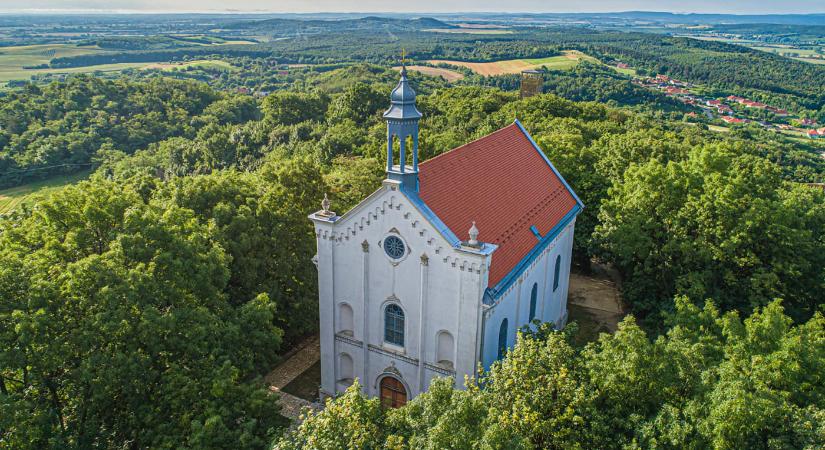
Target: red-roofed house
731	119
434	272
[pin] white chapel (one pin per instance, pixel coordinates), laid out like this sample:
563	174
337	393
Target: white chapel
434	273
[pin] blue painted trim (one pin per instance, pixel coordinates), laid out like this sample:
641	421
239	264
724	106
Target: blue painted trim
535	231
492	293
430	215
538	149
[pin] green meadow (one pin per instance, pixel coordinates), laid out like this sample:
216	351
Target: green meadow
13	198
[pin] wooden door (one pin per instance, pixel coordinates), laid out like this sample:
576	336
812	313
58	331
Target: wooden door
393	394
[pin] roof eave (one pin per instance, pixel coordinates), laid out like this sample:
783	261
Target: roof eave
502	286
431	217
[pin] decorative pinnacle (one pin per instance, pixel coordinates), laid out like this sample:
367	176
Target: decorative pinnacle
473	242
403	63
325	204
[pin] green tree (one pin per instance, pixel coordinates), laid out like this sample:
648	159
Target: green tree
116	329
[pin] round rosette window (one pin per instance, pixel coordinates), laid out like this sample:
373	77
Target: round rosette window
394	247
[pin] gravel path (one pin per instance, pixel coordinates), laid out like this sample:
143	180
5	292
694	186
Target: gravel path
308	354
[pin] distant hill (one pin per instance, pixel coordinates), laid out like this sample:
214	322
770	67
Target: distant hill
371	23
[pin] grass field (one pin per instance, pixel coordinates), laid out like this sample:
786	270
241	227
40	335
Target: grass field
14	197
447	74
802	52
811	60
718	129
13	59
562	62
204	63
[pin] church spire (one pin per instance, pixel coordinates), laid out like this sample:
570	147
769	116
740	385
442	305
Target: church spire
402	123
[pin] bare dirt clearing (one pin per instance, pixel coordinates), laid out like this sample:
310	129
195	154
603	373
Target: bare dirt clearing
594	303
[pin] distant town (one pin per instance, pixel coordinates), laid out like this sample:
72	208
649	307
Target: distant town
732	109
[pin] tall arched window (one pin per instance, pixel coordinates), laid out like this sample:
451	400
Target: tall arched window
534	294
394	325
502	339
556	273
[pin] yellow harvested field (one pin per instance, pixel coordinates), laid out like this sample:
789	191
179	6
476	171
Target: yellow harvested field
447	74
562	62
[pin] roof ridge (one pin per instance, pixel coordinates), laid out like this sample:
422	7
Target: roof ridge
467	144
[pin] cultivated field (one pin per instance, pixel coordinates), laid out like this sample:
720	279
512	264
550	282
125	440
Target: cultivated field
447	74
562	62
14	197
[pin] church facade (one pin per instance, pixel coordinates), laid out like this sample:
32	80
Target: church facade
434	273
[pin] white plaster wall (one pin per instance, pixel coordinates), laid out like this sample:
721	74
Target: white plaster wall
445	289
514	304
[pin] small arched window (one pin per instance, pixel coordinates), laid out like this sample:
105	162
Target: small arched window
345	368
556	273
534	294
394	325
345	319
444	349
502	339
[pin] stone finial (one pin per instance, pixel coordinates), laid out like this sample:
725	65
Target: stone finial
325	212
325	204
473	242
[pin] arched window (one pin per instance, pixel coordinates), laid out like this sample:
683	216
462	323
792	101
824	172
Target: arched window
444	354
345	319
534	294
502	339
394	325
556	273
345	371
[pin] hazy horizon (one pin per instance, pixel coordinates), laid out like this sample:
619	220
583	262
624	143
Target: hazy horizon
420	7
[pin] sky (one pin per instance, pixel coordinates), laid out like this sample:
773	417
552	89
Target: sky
705	6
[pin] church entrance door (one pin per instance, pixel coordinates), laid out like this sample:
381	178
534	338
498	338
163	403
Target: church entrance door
393	393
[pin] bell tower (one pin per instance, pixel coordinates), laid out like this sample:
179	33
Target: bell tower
402	124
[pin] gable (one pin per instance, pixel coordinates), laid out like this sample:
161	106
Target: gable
505	184
391	196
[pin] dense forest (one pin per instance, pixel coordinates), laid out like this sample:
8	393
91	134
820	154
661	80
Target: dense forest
140	308
786	83
713	381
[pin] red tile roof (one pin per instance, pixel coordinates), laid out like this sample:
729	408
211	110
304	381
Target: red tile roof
505	185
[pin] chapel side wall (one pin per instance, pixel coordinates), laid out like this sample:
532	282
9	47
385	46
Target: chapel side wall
514	304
